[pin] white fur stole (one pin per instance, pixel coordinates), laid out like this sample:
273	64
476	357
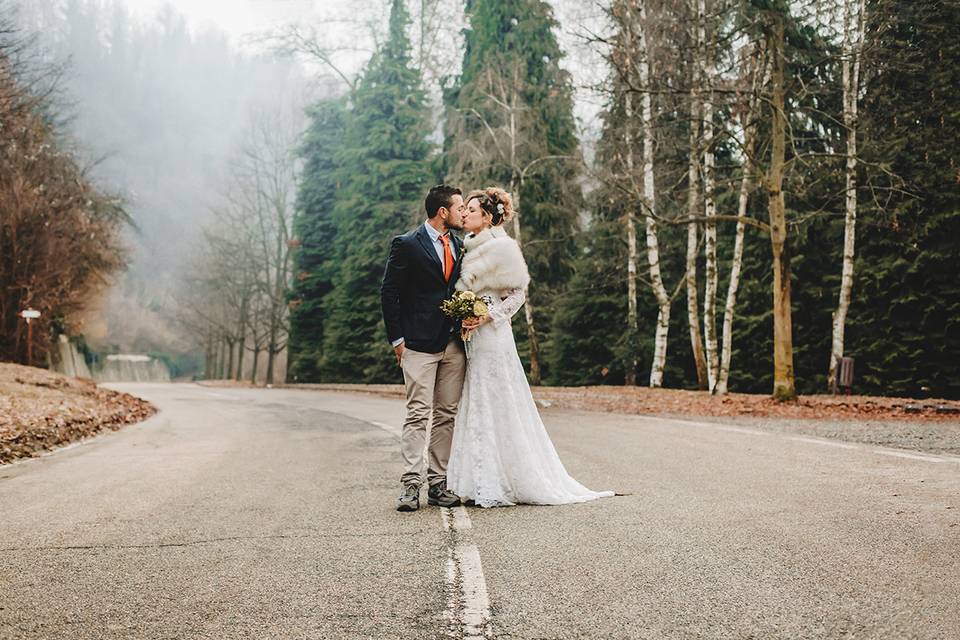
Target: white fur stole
494	262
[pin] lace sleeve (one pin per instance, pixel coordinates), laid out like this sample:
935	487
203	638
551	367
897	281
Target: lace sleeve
502	310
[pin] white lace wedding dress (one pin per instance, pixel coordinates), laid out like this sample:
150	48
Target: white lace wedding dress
501	453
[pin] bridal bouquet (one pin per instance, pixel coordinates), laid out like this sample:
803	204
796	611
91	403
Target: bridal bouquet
463	305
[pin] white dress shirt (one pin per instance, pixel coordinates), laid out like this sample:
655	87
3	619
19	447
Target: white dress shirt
438	244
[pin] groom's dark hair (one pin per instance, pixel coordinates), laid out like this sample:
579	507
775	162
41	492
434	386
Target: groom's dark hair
439	196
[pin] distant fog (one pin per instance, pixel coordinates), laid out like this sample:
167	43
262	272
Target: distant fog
158	111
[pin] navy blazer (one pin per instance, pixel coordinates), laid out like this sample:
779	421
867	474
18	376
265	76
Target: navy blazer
413	289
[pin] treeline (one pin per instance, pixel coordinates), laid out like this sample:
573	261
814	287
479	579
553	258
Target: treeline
60	233
367	165
236	286
368	162
773	189
163	106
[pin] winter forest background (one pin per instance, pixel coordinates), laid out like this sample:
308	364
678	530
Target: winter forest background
715	194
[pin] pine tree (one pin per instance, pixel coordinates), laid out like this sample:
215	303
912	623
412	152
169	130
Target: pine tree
903	326
512	88
314	230
384	170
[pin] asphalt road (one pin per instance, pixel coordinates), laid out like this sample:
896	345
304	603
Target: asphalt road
241	513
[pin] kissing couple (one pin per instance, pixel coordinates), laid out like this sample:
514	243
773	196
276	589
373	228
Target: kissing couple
496	451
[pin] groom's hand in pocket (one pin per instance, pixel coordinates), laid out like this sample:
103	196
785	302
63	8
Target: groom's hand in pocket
399	351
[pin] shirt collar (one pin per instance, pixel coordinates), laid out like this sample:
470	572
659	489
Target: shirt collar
433	233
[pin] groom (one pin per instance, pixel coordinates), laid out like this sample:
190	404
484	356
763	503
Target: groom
421	271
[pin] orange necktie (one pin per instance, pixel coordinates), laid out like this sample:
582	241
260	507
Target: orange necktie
447	257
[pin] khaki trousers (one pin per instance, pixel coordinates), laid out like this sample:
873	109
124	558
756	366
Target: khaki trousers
434	382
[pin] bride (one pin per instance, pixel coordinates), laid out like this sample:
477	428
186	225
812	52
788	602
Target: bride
501	453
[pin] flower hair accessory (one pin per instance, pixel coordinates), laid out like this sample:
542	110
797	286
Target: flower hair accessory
500	208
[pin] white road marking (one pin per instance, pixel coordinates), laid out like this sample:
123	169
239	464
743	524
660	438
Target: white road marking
810	440
476	603
461	519
395	431
453	595
218	395
827	443
707	425
911	456
752	432
468	606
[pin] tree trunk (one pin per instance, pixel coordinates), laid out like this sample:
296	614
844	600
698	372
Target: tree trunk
649	197
710	209
256	363
229	371
784	387
271	353
215	352
736	264
240	353
852	37
632	363
533	342
693	228
710	251
241	350
209	359
220	359
224	355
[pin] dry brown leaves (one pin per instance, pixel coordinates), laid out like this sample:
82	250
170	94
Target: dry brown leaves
41	410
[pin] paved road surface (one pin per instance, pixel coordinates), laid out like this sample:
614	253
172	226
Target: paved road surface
269	514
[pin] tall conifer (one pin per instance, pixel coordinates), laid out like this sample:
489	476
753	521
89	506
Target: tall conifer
314	262
512	54
904	327
384	171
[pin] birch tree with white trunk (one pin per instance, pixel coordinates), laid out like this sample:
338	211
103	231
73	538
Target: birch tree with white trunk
759	76
704	39
650	204
630	377
693	208
853	35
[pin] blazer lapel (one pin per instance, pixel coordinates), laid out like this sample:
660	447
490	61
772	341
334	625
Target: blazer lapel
458	260
427	245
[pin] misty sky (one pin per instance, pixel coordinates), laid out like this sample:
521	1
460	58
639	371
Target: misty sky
239	17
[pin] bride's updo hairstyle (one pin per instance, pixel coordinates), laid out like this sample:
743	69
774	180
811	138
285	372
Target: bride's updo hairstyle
494	201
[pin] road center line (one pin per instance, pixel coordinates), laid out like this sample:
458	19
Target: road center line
468	606
461	519
475	614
